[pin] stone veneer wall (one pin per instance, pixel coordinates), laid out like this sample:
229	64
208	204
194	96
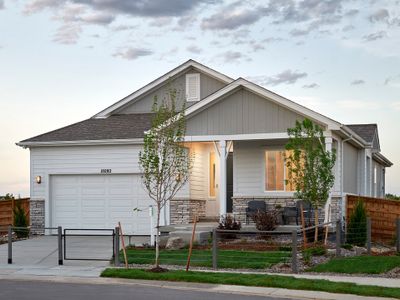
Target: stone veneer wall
240	204
37	216
183	211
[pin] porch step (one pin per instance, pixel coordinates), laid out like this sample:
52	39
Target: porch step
209	219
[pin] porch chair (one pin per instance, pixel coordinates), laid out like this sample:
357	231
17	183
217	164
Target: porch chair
253	207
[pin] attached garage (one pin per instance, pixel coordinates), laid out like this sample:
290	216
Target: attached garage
99	201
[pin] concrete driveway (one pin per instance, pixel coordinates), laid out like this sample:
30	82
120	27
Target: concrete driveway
39	256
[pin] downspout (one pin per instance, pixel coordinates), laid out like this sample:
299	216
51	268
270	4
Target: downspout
343	210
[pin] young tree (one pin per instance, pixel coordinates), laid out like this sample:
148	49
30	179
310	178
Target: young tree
164	161
310	165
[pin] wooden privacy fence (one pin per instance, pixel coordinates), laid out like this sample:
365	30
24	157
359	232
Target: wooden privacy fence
6	211
383	214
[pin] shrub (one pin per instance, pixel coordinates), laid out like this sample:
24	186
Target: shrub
229	223
20	220
357	228
266	220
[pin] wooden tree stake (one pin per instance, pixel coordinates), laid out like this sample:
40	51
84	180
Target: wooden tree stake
123	244
191	244
303	225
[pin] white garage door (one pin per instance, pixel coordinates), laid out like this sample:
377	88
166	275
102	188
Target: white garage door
100	201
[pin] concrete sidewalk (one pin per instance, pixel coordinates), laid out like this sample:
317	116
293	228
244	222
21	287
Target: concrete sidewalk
223	289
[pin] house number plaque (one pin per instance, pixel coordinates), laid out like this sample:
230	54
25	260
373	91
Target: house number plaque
105	171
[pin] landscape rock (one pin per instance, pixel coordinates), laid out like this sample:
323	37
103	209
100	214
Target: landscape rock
175	243
360	250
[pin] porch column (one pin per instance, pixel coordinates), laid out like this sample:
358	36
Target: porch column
328	148
222	177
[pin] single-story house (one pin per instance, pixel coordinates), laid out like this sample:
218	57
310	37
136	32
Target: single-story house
87	175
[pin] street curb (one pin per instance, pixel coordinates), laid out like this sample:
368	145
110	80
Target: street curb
188	286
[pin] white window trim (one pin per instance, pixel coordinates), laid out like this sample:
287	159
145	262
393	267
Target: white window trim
197	76
283	192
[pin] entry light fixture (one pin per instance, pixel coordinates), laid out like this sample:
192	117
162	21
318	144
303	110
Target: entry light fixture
38	179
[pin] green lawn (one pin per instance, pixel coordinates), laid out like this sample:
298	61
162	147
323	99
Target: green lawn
257	280
226	258
359	264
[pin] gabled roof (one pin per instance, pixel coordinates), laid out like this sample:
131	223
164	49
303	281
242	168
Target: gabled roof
240	82
121	127
160	81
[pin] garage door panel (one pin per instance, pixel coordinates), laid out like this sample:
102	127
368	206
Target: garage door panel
100	201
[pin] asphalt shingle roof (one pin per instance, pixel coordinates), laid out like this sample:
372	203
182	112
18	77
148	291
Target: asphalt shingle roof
366	131
128	126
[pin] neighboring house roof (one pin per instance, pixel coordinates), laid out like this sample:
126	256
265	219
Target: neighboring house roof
129	126
161	80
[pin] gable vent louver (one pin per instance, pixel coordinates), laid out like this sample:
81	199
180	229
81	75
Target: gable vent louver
192	87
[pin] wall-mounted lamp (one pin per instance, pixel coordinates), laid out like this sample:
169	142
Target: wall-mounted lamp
38	179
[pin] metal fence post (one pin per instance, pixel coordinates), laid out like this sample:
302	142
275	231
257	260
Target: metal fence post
214	249
338	237
294	251
59	240
369	236
398	235
10	244
116	248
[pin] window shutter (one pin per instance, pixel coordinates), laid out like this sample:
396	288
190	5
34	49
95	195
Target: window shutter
192	87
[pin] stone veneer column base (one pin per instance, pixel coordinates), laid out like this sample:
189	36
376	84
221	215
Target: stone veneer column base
241	203
183	211
37	216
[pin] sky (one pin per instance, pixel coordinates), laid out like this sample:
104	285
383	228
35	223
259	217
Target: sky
62	61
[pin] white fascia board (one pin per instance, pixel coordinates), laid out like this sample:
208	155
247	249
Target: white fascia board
82	143
190	63
237	137
382	159
293	106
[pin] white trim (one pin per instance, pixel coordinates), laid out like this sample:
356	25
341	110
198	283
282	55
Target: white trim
190	63
237	137
331	124
81	143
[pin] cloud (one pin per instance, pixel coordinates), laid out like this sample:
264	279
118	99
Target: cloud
1	4
133	53
160	22
194	49
348	28
311	86
396	105
351	13
381	15
357	82
232	56
393	81
272	40
97	18
285	77
123	27
299	32
39	5
374	36
68	34
232	17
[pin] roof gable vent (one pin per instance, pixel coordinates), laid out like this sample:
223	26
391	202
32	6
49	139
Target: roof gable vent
193	87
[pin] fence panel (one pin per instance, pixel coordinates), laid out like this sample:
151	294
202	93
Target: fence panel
383	214
6	210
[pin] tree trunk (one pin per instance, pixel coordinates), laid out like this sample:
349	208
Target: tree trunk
316	225
158	237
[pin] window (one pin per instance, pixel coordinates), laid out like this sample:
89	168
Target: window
276	172
212	183
193	87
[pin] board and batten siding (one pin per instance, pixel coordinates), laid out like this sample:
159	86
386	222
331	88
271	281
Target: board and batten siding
242	112
351	170
208	85
83	160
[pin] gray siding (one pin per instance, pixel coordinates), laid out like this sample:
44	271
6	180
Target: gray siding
350	169
240	113
208	85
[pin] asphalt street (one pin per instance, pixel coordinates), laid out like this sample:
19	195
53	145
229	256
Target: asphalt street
38	290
